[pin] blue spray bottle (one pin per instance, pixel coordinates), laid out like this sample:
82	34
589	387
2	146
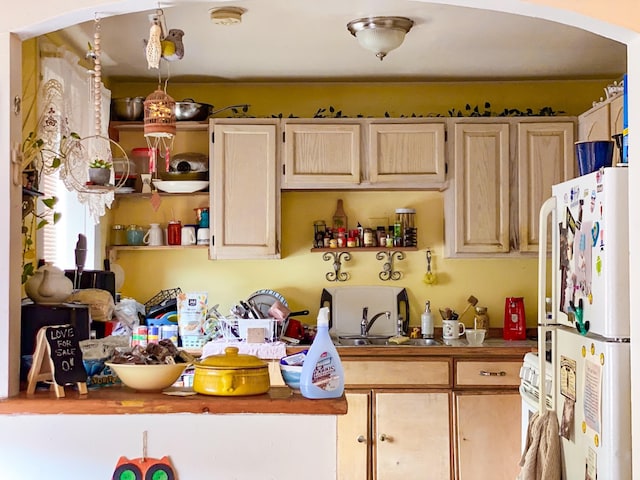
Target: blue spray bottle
322	375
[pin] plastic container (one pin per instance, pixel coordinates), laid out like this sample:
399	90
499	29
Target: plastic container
322	374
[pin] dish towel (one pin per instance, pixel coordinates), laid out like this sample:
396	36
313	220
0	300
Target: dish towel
541	457
265	351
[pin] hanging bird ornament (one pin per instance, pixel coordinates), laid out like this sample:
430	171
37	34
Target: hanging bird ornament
172	46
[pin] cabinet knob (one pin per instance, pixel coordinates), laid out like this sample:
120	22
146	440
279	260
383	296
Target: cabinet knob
484	373
362	439
385	438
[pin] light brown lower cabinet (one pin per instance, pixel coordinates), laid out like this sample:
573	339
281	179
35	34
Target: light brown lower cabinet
389	435
487	419
487	437
431	418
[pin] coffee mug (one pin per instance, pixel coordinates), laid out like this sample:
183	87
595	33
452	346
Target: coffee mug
154	235
452	329
203	236
188	235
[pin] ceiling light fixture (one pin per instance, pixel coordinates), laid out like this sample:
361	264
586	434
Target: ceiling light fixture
226	15
380	34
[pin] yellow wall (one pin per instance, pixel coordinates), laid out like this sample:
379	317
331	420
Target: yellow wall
374	99
300	274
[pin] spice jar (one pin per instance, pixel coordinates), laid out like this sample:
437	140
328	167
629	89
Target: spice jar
381	236
351	242
368	237
118	235
174	232
342	237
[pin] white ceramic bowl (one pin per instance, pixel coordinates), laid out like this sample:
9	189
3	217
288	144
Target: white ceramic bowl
148	378
291	375
475	337
181	186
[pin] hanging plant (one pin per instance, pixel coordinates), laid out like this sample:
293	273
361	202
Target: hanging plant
38	159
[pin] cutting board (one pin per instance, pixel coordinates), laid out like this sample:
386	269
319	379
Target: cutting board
346	304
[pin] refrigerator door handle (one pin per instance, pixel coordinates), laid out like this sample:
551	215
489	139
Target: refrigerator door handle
547	211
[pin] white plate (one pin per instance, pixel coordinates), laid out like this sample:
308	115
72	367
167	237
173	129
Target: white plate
265	298
181	186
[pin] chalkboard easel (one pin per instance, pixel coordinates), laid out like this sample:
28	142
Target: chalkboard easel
57	358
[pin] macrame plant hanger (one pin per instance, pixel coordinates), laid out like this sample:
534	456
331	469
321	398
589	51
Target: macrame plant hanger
90	149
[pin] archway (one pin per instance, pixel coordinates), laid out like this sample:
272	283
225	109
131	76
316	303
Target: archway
31	17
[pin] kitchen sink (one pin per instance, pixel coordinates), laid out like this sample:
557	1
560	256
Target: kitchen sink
373	340
355	340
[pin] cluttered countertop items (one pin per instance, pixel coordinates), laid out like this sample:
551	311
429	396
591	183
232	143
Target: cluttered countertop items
188	344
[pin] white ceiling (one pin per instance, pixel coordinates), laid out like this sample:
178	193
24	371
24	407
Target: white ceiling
308	40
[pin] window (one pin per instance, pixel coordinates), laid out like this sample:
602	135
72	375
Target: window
57	243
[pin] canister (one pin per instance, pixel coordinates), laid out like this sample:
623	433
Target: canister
135	235
118	235
406	218
174	232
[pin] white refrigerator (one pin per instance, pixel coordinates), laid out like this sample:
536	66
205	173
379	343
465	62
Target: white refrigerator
589	322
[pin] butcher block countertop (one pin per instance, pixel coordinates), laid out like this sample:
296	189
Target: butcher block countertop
123	400
279	399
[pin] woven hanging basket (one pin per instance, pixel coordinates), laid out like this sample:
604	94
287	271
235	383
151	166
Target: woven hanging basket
159	115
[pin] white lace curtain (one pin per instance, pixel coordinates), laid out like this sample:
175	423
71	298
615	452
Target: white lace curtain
74	109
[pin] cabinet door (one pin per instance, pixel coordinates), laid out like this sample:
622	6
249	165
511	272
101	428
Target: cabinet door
354	438
412	435
616	111
487	435
406	154
545	157
481	179
321	155
594	124
245	198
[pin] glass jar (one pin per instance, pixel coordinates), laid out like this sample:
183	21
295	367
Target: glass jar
406	218
381	237
174	232
367	236
118	235
135	235
342	237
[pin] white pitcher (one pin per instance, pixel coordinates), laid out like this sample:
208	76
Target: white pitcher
154	235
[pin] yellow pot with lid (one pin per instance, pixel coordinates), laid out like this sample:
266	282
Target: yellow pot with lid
231	374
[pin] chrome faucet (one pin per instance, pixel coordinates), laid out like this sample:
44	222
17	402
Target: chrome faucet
365	324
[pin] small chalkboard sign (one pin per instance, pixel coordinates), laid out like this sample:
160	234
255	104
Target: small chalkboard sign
58	357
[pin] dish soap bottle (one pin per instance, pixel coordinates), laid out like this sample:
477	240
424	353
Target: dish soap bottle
322	375
426	321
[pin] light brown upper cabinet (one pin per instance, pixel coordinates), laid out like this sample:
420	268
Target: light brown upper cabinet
321	154
363	154
406	154
601	122
502	171
545	157
479	219
245	194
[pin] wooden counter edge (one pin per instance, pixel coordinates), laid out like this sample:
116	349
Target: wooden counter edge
119	400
